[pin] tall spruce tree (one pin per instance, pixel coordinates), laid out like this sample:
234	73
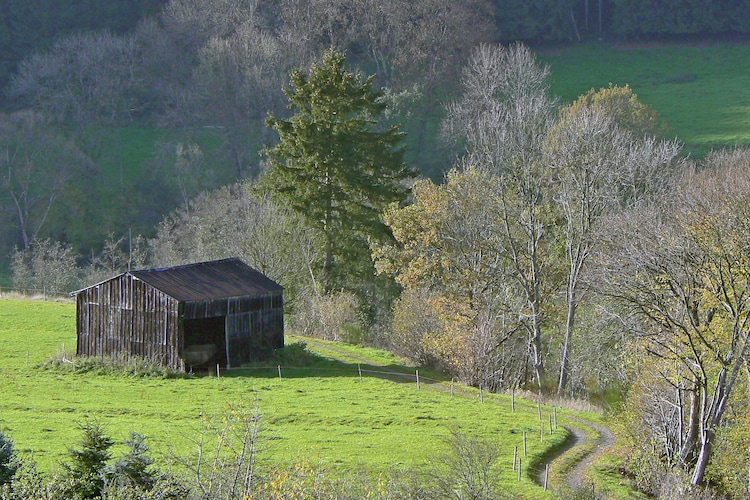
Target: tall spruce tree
336	167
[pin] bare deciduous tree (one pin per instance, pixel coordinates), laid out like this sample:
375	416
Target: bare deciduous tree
681	268
503	118
87	78
598	167
236	221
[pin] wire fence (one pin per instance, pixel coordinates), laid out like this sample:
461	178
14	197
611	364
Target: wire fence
31	293
536	468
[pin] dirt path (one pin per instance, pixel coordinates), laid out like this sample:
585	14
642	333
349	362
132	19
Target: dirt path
576	477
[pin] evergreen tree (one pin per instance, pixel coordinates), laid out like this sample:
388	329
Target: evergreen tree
335	167
87	471
134	467
8	459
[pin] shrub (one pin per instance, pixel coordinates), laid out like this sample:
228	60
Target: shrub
118	365
332	316
86	474
414	322
8	459
48	267
469	467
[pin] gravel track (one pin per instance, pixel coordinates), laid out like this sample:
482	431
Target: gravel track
576	478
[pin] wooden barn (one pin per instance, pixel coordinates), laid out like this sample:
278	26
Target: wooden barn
198	315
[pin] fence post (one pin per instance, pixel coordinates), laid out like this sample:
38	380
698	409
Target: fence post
546	476
513	400
539	407
524	444
279	367
555	410
519	469
515	456
359	368
452	379
418	387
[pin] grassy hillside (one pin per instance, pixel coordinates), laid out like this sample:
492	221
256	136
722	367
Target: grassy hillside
702	91
323	411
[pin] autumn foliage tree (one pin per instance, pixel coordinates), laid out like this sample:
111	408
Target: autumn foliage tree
680	271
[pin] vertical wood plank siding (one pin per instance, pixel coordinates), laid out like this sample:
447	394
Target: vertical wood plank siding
127	317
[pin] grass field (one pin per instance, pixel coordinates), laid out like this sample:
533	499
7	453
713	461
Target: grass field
701	91
323	412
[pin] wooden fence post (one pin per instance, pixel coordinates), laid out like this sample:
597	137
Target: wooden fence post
519	469
555	410
539	407
418	386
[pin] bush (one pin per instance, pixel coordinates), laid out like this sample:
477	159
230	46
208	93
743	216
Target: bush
414	322
470	467
9	463
118	365
332	316
48	267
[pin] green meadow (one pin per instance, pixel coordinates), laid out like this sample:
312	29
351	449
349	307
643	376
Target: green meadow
323	412
702	91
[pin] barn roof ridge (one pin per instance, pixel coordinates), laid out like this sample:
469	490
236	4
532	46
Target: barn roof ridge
199	281
189	264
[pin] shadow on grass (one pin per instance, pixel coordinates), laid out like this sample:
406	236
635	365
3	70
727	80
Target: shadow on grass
297	361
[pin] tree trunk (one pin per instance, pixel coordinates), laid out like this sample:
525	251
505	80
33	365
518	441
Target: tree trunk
687	451
707	439
328	232
536	321
569	323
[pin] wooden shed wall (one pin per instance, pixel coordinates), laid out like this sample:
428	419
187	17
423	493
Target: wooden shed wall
125	316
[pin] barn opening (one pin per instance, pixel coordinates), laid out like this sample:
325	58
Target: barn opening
205	342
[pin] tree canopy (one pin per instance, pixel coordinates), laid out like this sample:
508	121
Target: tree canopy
334	166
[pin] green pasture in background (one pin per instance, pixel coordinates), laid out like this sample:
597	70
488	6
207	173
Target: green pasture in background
702	91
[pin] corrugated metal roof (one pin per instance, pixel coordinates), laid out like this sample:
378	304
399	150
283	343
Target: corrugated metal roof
208	280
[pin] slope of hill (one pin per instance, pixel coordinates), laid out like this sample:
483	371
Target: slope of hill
324	410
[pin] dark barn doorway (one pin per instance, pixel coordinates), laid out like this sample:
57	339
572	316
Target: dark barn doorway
205	343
